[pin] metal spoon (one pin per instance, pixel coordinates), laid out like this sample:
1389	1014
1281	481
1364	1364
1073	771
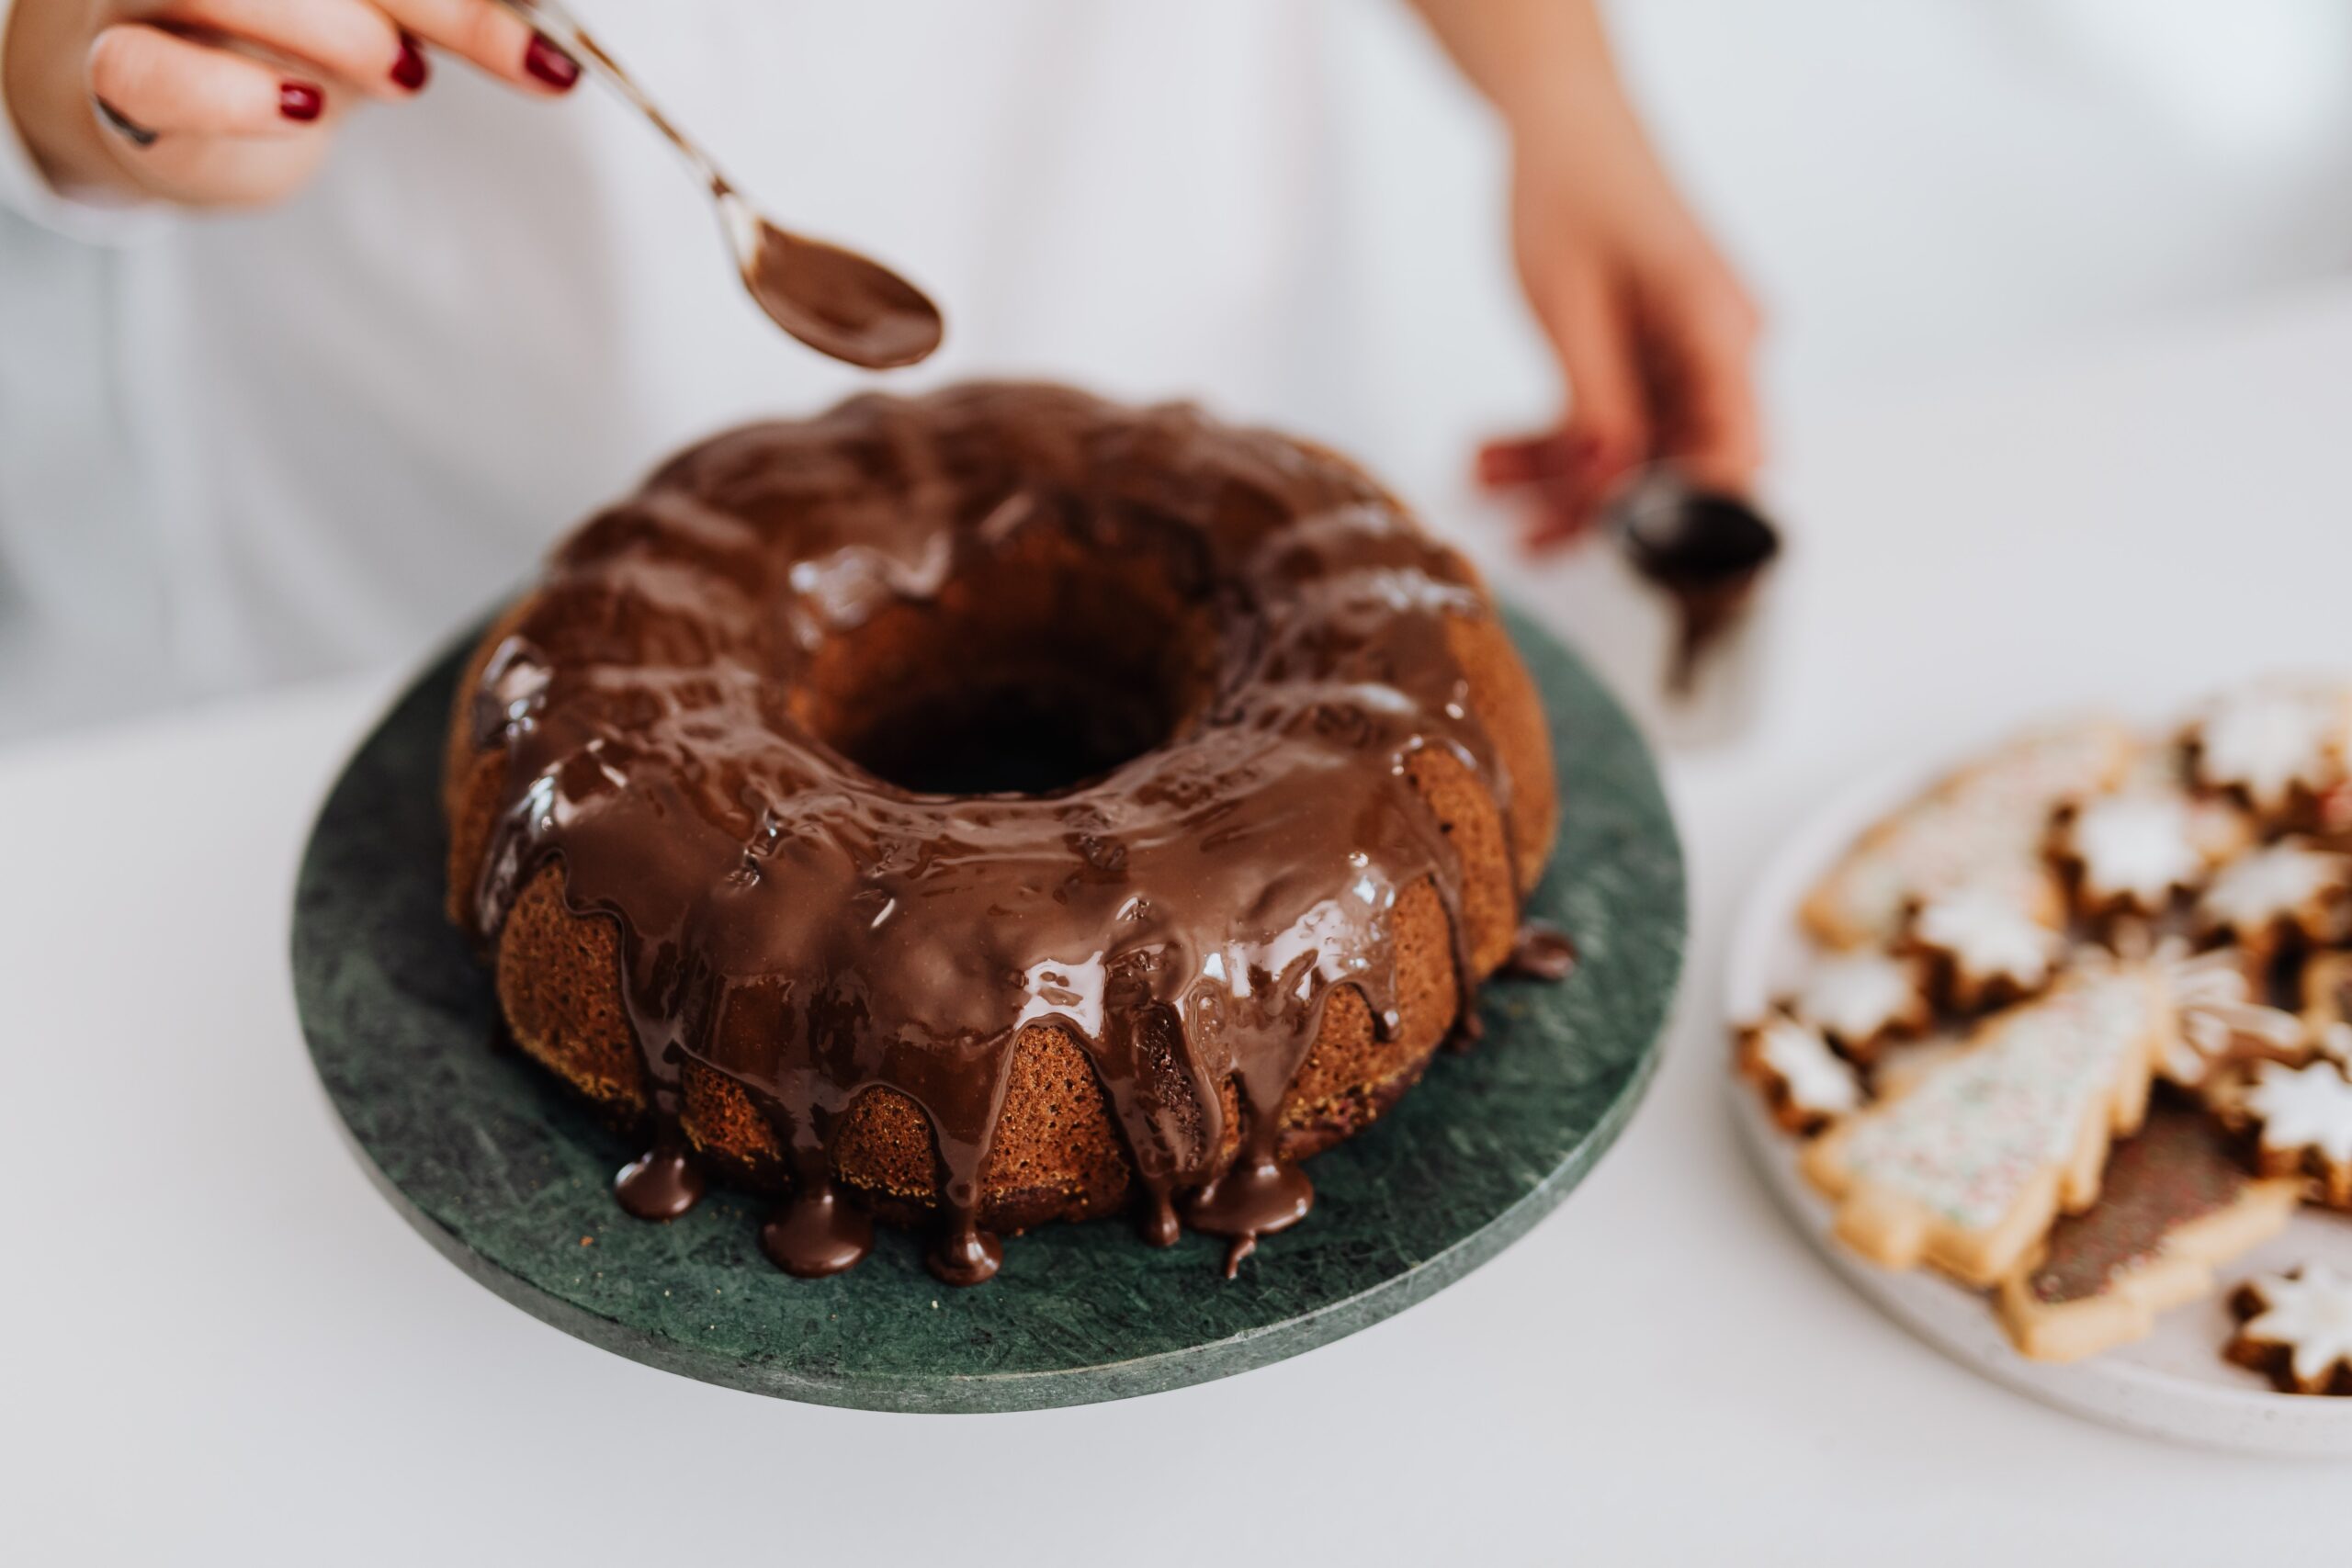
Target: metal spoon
836	301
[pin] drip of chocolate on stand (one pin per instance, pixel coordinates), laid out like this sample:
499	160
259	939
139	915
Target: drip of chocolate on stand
818	1233
1706	551
659	1184
1468	1031
1540	951
1184	916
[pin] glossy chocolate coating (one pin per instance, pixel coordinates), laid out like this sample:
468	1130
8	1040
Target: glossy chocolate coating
1185	914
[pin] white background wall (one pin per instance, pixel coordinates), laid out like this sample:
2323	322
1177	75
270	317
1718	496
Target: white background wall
1913	189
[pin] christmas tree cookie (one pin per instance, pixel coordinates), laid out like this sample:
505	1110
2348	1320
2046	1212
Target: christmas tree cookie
1967	1170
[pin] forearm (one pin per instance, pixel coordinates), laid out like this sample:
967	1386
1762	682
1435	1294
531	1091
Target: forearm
1653	332
1540	63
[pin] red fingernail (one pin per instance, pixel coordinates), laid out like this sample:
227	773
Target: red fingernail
298	100
550	64
410	70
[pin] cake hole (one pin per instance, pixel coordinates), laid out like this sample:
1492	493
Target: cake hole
1027	675
1036	736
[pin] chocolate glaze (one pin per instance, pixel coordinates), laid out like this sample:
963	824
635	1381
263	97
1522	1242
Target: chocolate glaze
1706	551
1540	951
2176	1170
813	932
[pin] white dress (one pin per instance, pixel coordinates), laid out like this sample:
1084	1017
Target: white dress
249	448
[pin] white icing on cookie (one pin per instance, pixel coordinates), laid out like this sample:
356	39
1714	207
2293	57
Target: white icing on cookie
2267	737
2310	1312
2273	885
1981	1126
2335	1043
1988	935
2137	846
1817	1079
2215	1013
1856	997
1982	826
2304	1108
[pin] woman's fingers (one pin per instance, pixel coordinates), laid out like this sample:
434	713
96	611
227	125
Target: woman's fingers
1597	340
349	40
492	37
151	83
1705	392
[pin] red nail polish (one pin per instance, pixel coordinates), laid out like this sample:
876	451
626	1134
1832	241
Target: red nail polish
298	100
550	64
410	71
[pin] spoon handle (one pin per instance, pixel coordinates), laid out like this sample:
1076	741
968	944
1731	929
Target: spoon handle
554	20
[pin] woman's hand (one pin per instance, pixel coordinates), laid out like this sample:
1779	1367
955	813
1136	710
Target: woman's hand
1652	330
222	103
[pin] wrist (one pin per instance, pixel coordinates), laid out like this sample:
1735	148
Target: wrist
1577	111
1543	65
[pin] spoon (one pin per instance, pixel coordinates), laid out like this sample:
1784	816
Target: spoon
836	301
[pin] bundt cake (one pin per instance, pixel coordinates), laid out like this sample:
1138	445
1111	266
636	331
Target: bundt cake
993	807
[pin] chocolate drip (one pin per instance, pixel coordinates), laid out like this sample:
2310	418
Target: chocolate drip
811	933
817	1232
963	1254
659	1185
1160	1225
1539	952
1258	1195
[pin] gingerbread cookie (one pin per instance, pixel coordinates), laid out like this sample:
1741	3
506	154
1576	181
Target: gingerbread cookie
1804	1083
2172	1205
1861	999
1985	946
2275	743
2285	890
2217	1022
2131	853
2327	1005
1967	1170
1905	1062
2296	1329
2303	1120
1983	825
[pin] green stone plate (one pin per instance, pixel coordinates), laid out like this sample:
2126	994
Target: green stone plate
509	1177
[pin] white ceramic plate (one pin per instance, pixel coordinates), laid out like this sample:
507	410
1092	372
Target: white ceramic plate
2172	1385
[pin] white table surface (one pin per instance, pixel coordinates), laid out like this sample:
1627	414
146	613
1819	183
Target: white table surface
221	1344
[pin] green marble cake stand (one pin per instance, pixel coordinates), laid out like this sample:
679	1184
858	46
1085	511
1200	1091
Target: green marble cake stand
509	1178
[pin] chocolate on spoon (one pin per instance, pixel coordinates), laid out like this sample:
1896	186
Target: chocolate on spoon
835	301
